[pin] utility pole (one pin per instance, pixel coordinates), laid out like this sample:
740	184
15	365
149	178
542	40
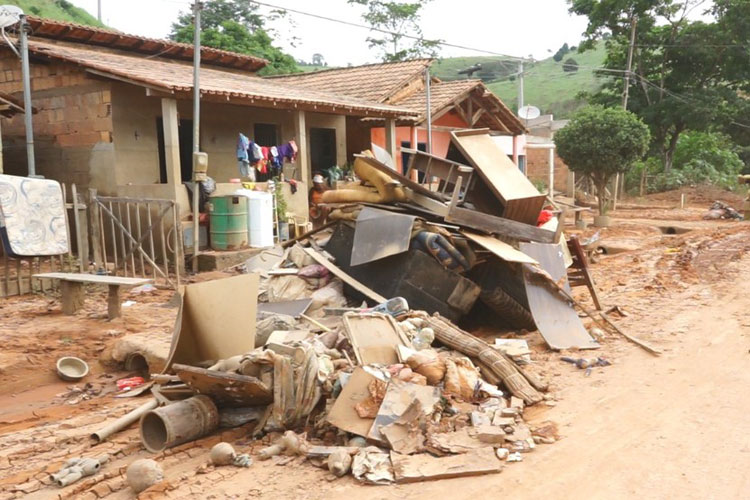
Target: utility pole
27	111
520	85
99	10
625	94
428	111
197	176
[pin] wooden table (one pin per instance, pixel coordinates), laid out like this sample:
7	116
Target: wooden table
71	285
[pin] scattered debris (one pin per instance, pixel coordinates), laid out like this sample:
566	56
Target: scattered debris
720	210
76	468
144	473
72	369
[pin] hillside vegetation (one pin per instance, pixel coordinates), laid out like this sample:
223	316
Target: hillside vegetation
60	10
546	85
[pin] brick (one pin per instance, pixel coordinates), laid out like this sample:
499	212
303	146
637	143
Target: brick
101	490
84	139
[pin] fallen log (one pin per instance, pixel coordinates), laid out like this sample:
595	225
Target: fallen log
455	338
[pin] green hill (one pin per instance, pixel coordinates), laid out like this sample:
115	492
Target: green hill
60	10
546	85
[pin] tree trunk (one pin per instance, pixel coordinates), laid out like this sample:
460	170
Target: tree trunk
601	194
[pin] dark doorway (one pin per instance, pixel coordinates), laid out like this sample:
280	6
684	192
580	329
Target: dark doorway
266	134
322	148
185	134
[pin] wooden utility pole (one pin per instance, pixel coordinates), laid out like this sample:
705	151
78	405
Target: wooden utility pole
618	190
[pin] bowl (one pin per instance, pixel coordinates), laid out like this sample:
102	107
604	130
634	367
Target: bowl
72	369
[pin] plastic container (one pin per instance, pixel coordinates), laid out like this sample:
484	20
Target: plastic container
228	222
178	423
260	217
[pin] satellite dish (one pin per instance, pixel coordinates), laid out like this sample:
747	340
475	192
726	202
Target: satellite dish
529	112
9	15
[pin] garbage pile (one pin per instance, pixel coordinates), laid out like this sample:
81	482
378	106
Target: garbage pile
720	210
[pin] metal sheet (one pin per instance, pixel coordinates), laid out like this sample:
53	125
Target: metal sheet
226	388
293	308
380	234
499	248
555	318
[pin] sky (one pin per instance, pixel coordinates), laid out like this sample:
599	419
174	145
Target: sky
521	28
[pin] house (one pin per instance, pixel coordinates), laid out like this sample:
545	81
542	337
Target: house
115	112
541	155
9	107
454	105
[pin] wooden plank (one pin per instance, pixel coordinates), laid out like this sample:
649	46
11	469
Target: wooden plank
499	248
374	337
317	257
414	468
95	278
521	200
95	230
498	225
225	388
114	304
557	321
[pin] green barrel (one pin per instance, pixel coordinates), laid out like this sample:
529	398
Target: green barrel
228	222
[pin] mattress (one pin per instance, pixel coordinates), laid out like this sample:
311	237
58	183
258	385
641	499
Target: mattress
32	217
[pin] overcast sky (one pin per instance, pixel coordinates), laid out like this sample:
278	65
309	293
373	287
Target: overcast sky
515	27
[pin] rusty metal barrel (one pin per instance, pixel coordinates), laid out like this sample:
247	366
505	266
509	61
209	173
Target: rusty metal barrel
178	423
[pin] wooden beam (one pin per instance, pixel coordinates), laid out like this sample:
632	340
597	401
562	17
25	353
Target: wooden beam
337	271
110	76
476	116
498	225
390	138
300	135
461	112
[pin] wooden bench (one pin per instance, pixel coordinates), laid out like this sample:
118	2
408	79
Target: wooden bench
71	285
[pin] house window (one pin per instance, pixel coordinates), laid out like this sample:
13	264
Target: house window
522	163
322	148
266	134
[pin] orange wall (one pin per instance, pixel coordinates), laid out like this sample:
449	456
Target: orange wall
440	139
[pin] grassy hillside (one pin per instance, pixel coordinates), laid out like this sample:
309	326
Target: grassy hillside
60	10
546	85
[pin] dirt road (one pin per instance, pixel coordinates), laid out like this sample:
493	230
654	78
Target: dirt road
673	426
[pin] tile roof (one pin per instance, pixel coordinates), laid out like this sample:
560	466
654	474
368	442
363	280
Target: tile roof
90	35
177	77
375	82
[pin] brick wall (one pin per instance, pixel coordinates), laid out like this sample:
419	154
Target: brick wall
72	126
537	168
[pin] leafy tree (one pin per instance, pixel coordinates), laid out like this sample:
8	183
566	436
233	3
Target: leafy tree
601	142
686	74
399	19
570	65
561	52
318	60
236	26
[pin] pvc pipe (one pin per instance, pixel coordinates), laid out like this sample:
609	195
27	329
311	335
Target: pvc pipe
123	421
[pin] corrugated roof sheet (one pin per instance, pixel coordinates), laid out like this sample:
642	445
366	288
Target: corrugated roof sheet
90	35
375	82
172	76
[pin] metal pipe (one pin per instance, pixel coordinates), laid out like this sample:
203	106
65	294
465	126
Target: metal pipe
123	421
520	85
27	109
196	128
428	111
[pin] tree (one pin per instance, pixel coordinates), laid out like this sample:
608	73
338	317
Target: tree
236	26
561	52
400	20
319	60
570	65
601	142
686	74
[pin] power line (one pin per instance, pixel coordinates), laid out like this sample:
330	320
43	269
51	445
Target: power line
393	33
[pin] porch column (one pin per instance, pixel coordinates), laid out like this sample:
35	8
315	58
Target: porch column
390	138
171	140
300	135
515	149
414	145
551	172
570	186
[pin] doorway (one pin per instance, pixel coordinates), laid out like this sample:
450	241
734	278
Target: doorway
322	148
185	135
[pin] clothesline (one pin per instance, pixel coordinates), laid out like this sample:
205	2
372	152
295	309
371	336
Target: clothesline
265	160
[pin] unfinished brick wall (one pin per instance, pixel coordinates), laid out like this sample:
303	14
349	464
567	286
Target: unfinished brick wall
537	168
72	126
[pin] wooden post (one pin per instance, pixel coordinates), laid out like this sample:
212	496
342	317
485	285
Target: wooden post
571	184
390	138
170	124
114	308
414	145
95	229
552	173
79	235
72	296
300	135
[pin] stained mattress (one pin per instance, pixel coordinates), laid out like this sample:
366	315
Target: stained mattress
32	217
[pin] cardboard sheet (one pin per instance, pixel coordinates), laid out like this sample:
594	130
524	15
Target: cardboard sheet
216	320
499	248
342	414
399	397
424	467
32	217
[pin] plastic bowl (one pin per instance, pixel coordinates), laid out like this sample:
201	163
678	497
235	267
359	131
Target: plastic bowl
72	369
